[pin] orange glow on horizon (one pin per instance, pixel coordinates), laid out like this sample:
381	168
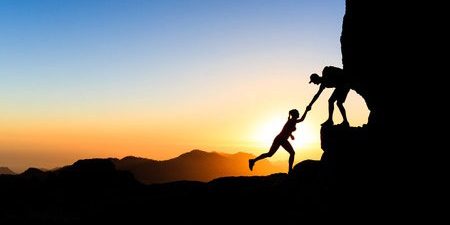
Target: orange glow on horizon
251	128
269	128
242	116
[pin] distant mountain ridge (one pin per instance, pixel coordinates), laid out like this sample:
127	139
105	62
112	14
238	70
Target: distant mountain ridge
94	189
195	165
6	171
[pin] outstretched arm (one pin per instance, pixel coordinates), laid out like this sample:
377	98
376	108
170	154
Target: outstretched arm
303	117
316	96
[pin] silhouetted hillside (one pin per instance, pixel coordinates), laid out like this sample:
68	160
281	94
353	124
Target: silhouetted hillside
195	165
6	171
33	172
94	190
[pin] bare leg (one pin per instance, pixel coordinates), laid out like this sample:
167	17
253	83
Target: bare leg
344	114
275	145
263	156
341	95
330	109
286	145
333	98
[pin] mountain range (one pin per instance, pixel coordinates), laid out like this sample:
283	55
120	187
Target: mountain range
95	191
195	165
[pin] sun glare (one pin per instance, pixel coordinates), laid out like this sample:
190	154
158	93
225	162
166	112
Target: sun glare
268	130
264	134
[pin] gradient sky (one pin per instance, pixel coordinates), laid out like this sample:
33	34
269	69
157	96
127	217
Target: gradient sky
90	78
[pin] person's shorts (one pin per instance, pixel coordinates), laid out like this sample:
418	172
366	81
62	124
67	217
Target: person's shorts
340	94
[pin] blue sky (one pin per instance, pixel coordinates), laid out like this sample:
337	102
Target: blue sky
71	46
67	67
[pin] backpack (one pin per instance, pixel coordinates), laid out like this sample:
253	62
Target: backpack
333	75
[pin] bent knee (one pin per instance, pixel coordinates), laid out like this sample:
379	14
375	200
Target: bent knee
268	154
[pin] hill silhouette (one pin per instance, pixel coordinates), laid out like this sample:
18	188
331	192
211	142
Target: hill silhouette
6	171
195	165
93	190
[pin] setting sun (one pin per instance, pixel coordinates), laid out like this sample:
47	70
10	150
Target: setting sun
267	131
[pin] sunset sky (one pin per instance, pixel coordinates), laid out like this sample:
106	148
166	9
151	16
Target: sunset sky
111	78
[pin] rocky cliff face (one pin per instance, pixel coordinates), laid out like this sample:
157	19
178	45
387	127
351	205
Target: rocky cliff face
355	163
365	50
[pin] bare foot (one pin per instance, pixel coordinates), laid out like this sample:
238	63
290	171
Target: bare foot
251	163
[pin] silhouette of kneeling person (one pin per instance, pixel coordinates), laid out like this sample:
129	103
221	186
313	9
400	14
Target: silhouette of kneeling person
282	140
332	77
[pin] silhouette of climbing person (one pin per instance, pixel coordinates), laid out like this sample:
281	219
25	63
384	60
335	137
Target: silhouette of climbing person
282	139
332	77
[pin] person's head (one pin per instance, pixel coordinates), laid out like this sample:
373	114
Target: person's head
314	78
294	113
